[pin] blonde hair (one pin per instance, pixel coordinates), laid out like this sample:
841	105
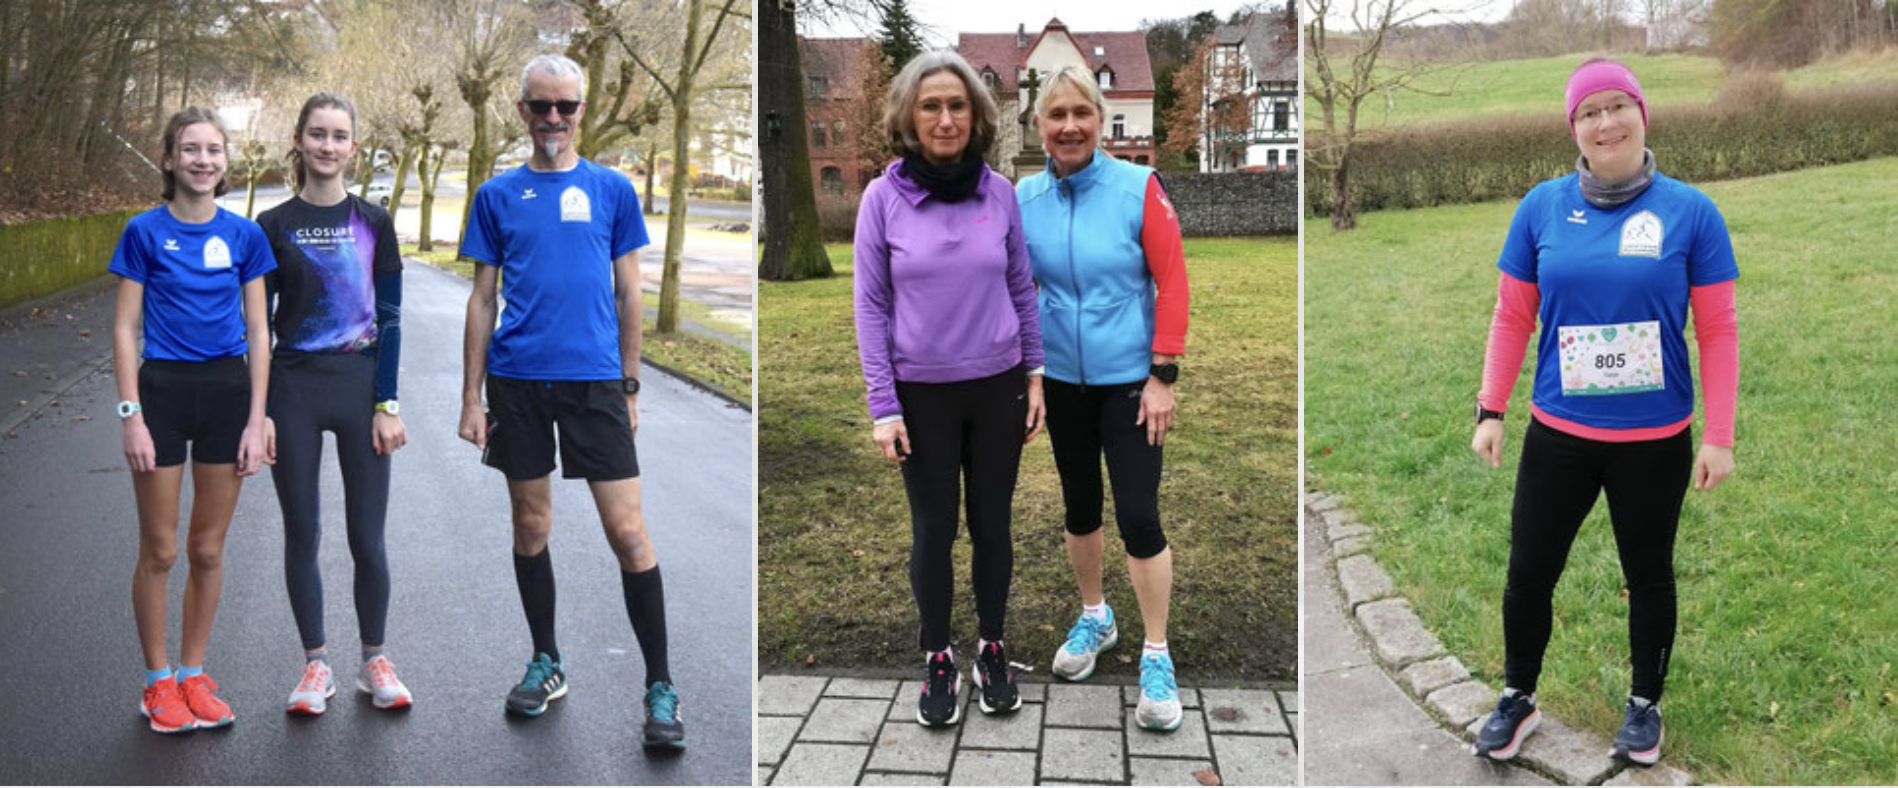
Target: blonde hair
1081	79
899	119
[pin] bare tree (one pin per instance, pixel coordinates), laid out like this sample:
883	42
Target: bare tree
1340	94
793	249
616	108
491	39
1214	110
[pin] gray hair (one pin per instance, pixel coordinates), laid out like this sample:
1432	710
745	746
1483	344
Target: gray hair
1081	79
899	120
556	65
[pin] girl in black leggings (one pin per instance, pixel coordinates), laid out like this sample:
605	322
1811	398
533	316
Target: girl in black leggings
337	297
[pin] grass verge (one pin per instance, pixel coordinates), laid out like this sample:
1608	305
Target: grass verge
714	363
1782	669
834	521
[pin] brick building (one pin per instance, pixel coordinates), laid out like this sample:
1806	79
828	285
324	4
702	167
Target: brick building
833	106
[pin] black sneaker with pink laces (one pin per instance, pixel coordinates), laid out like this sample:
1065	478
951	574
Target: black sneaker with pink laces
995	681
942	691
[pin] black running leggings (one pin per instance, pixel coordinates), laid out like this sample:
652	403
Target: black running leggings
1557	483
310	394
1083	423
962	434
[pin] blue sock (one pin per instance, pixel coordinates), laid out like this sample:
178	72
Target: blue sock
319	655
185	672
155	676
370	652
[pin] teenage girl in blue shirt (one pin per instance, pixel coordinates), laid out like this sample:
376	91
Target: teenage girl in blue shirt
190	280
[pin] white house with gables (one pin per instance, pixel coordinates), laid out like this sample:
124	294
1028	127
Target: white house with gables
1264	47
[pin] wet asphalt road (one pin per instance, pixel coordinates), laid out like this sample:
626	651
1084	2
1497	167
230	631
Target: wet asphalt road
456	631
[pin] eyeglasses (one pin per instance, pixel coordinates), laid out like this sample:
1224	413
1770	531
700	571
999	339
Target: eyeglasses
955	107
543	106
1592	115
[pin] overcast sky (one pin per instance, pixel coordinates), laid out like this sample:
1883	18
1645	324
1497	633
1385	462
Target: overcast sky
945	19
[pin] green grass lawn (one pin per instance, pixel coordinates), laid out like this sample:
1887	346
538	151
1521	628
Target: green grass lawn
717	364
1534	86
834	522
1782	670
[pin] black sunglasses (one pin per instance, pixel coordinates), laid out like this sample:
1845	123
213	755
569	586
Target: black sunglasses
543	106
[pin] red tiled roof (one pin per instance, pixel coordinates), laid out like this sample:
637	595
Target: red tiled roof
1125	53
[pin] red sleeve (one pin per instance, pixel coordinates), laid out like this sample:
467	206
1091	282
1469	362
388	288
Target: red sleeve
1160	237
1515	319
1716	331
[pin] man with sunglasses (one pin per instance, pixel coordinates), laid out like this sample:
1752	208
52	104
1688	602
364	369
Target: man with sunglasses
564	233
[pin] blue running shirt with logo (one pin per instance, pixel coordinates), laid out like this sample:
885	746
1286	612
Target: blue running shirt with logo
1614	286
194	277
328	260
554	235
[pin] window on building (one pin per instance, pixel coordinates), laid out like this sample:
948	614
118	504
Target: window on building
1141	160
817	135
993	82
837	133
1272	159
1100	51
1120	126
816	85
1281	115
831	180
1106	79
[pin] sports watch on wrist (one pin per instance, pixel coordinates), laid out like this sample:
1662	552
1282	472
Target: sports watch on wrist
128	409
1166	373
629	385
1484	414
390	407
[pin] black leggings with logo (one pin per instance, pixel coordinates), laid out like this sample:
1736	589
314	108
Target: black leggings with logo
1557	483
965	449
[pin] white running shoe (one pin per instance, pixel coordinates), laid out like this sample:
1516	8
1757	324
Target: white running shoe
313	690
378	679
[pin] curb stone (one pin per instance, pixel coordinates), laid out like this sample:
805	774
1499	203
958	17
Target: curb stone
1414	658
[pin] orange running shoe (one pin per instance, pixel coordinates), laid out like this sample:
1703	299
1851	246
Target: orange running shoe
166	708
211	712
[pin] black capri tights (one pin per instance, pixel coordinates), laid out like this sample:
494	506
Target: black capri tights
1556	485
970	431
1083	423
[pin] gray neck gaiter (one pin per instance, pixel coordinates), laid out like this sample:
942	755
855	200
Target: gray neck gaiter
1608	195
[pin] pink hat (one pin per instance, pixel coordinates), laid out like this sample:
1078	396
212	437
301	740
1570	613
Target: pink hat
1597	76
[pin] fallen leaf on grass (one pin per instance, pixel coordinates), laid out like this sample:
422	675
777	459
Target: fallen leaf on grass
1772	710
857	553
1047	627
1206	777
810	659
1124	659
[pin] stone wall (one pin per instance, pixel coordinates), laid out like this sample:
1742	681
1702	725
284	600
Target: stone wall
37	258
1235	203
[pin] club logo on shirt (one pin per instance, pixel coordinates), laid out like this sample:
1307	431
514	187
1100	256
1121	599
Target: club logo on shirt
1577	218
171	244
1641	235
574	206
528	195
216	254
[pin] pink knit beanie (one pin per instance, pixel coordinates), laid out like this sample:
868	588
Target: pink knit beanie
1597	76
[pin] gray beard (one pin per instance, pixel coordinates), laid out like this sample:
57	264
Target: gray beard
552	148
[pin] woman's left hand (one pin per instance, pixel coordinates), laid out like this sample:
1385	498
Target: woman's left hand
1037	411
387	433
1712	466
1156	411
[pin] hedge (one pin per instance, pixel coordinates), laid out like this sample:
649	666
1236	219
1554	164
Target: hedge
37	258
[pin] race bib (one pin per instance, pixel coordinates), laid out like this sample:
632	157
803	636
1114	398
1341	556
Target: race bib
1623	358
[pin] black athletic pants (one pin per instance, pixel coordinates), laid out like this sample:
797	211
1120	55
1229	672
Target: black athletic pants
962	434
311	394
1559	478
1085	422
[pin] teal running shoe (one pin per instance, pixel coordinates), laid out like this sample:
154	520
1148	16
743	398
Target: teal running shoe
545	681
1159	707
1090	636
664	726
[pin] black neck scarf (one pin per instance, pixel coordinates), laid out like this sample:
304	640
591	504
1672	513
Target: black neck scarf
1608	195
947	182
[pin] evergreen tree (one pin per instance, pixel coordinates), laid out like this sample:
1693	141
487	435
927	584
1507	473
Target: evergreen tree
898	37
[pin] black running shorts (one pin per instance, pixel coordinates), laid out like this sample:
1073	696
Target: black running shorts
200	403
596	433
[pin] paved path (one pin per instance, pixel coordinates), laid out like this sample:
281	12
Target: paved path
1364	730
821	730
456	630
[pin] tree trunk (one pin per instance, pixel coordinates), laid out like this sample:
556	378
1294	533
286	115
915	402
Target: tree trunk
1343	215
426	243
403	167
652	174
480	157
668	322
250	192
793	249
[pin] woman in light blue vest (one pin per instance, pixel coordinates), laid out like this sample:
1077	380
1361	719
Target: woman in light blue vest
1102	238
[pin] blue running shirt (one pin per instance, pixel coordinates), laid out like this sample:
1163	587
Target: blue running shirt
554	235
1614	286
194	277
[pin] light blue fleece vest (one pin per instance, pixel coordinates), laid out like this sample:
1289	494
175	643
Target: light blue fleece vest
1096	297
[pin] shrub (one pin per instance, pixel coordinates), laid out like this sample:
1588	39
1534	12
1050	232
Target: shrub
1754	127
837	215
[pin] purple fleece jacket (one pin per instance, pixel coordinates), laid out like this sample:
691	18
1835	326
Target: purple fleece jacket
944	290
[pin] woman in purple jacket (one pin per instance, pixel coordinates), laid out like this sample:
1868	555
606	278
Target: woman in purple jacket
951	348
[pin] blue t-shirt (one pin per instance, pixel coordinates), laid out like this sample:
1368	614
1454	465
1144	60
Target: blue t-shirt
554	236
1614	287
194	277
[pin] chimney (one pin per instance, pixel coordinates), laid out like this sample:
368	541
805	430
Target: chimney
1021	35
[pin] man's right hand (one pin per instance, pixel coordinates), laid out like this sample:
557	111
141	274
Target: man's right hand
474	426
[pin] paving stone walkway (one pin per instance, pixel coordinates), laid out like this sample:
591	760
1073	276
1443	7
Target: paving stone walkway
822	730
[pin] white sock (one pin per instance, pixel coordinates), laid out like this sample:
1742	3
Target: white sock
1508	691
1099	612
929	656
1640	702
982	645
1156	648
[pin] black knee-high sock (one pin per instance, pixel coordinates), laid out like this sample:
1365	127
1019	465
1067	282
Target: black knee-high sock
535	576
646	606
